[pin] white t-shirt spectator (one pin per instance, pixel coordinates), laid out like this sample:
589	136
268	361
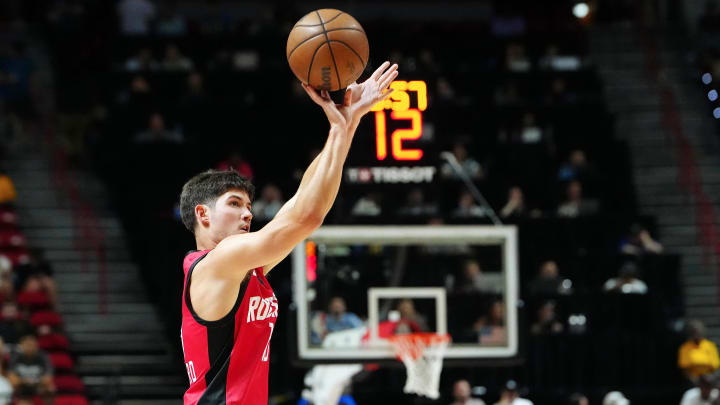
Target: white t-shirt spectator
692	397
520	401
636	286
135	16
6	391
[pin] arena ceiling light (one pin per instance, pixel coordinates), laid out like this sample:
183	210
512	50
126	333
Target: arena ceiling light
581	10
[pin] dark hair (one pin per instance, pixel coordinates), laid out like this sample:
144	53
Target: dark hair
576	398
205	188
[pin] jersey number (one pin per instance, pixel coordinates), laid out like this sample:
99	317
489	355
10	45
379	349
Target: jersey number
266	353
191	371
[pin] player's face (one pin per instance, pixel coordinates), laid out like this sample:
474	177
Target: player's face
231	215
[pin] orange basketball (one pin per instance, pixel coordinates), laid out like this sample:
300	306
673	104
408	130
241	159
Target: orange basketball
327	49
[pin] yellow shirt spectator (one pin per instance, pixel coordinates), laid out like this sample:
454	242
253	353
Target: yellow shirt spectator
7	189
698	357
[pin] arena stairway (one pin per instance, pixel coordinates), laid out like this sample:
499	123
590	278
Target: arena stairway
625	58
117	337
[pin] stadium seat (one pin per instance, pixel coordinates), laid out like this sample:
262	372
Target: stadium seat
71	400
11	238
50	318
16	255
33	300
53	341
68	384
61	361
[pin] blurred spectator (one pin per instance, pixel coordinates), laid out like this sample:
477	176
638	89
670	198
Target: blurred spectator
445	91
157	133
467	208
39	268
470	166
170	23
510	395
410	319
576	167
176	61
336	319
135	16
475	280
415	205
490	328
578	399
639	242
269	203
143	61
530	131
238	163
12	324
546	322
697	356
548	281
6	389
553	60
626	282
559	94
575	205
30	370
515	206
705	393
7	189
461	394
367	206
196	108
615	398
515	58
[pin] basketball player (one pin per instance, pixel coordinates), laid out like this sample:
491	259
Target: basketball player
229	309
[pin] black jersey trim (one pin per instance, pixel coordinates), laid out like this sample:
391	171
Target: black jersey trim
229	317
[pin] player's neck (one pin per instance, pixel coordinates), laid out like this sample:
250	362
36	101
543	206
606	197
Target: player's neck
204	242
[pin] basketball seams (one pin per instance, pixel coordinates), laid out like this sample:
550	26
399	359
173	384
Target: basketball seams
332	55
321	23
313	59
350	48
320	33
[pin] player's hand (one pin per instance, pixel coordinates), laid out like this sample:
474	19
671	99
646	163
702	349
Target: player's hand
333	111
360	98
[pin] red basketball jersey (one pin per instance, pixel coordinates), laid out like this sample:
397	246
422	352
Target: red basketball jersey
227	359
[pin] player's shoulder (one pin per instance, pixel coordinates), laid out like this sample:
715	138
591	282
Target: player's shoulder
193	256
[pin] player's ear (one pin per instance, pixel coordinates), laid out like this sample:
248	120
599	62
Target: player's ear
202	214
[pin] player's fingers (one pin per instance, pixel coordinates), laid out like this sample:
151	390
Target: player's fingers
384	96
386	83
389	72
348	97
379	70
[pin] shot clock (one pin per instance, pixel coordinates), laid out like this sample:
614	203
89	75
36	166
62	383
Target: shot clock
398	151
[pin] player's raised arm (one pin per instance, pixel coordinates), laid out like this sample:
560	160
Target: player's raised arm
237	254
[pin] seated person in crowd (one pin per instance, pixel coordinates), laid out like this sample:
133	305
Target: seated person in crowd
6	389
615	398
411	321
470	166
697	356
639	242
158	133
626	282
30	370
143	61
176	61
336	319
467	208
490	328
39	268
705	393
474	280
237	162
546	322
7	189
511	396
415	205
515	206
269	203
461	394
578	399
549	282
12	323
367	206
576	168
575	205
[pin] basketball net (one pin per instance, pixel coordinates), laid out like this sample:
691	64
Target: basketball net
422	354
